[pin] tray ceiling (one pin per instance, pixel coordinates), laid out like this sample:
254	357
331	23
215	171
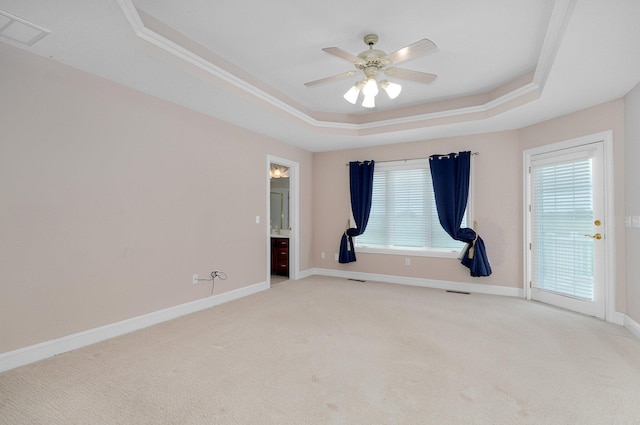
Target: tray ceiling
500	64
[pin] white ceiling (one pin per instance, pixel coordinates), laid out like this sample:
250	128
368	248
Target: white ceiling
501	64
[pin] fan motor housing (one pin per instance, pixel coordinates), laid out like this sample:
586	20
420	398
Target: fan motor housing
372	57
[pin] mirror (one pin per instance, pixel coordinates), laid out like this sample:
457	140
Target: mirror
277	211
279	202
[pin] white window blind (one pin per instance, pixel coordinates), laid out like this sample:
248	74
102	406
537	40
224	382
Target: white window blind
403	211
562	214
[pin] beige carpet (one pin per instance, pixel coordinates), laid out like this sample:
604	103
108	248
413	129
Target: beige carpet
333	351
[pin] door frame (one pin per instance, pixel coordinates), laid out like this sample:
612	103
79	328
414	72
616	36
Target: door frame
606	138
294	215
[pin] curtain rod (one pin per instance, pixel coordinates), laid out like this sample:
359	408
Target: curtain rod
415	159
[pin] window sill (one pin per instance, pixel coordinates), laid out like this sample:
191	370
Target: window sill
437	253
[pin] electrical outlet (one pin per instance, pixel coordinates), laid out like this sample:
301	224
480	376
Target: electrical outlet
195	279
323	255
336	256
407	261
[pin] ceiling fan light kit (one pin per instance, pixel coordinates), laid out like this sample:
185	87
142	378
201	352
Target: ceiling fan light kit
392	89
351	95
370	88
371	62
369	101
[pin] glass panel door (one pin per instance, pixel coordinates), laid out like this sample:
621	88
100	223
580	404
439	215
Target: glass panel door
567	251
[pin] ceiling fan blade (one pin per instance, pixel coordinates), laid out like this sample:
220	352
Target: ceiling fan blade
411	51
329	79
407	74
336	51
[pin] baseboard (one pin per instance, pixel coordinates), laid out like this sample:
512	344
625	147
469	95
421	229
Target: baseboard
616	318
306	273
632	326
41	351
478	288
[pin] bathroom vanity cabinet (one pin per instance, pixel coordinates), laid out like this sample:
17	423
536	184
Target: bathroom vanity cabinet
280	256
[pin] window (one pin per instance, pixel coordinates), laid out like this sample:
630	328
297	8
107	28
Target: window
404	218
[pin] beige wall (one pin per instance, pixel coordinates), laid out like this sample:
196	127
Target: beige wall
604	117
497	206
632	177
112	199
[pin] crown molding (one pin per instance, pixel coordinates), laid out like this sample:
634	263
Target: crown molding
560	17
511	95
182	53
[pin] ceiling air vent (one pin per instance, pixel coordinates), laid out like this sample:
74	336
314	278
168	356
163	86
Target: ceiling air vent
18	30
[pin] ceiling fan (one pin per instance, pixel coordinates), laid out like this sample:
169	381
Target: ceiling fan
373	61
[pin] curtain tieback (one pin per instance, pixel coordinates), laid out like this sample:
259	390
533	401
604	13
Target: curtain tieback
346	235
473	242
475	230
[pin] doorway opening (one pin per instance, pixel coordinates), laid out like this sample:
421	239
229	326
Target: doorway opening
282	226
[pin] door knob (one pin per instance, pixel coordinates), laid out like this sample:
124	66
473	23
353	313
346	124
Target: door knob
596	236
